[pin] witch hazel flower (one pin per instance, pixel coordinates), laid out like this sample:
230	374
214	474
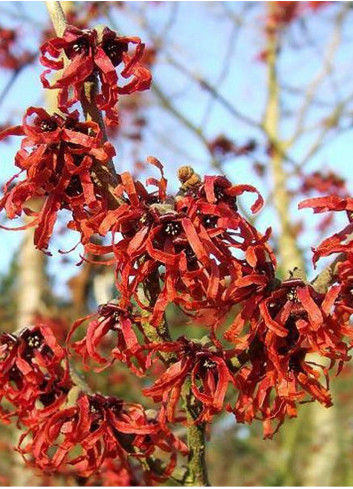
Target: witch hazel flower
185	242
340	242
34	374
264	394
94	430
12	57
67	427
208	369
82	54
292	322
57	157
111	335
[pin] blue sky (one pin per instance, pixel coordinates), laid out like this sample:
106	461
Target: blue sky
200	39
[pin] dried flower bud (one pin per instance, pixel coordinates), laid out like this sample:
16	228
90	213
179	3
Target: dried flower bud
188	177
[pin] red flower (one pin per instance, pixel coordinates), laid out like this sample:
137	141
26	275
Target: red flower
324	183
266	395
187	243
285	327
94	430
283	13
111	319
57	166
341	241
34	377
280	15
114	473
88	52
249	291
221	146
316	4
206	367
343	275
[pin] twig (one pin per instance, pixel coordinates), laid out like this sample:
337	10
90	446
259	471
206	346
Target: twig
324	279
104	176
321	76
166	103
9	84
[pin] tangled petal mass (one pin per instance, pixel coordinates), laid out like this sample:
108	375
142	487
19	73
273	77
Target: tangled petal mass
81	53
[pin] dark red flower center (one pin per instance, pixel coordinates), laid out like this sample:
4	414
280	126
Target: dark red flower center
208	364
74	187
219	193
114	50
295	361
146	220
190	256
48	125
210	221
80	46
291	340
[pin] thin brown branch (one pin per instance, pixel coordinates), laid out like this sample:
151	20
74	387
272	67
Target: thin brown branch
321	76
167	104
105	176
324	279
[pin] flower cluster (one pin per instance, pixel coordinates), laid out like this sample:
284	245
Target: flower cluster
209	370
341	241
187	243
64	424
340	244
111	319
94	430
34	374
58	157
324	183
83	53
223	147
287	327
193	250
281	14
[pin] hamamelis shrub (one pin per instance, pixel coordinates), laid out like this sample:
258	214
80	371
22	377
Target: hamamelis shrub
193	249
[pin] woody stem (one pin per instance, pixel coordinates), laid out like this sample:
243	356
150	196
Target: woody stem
196	474
57	16
107	178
